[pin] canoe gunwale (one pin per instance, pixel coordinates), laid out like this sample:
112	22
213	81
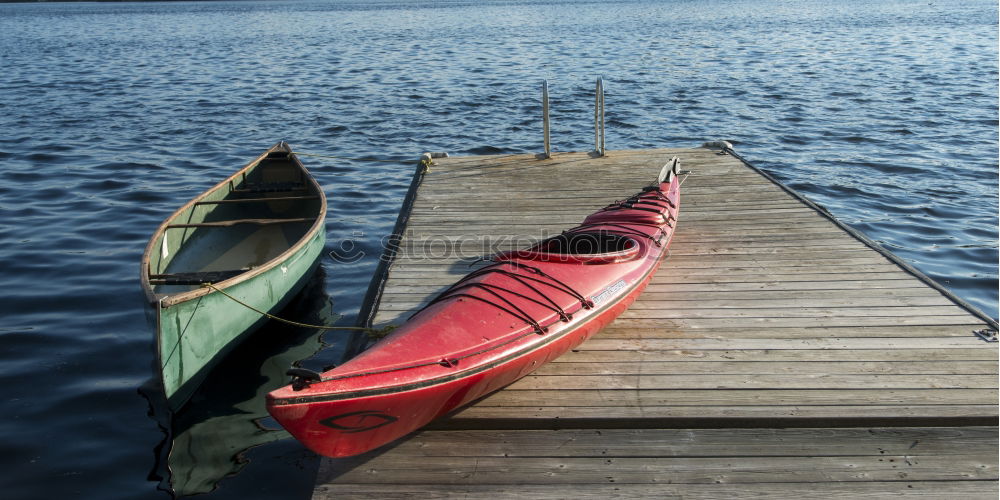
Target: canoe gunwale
161	301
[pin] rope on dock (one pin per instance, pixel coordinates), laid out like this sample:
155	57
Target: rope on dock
375	332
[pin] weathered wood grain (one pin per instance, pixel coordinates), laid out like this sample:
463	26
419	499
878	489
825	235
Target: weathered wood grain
968	490
681	463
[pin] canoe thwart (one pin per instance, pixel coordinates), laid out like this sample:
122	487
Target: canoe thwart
194	278
259	222
258	200
272	187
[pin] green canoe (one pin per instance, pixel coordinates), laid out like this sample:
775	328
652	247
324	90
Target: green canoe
256	237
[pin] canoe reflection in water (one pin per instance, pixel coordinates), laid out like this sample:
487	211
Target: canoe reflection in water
207	440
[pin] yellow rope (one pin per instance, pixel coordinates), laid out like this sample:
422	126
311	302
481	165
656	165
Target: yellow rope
381	332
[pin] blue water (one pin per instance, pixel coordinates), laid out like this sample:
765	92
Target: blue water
113	114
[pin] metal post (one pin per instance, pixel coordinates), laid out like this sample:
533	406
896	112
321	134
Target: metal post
545	118
603	147
599	118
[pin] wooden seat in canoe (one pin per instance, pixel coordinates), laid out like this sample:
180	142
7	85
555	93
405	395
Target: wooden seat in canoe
267	199
275	187
259	222
194	278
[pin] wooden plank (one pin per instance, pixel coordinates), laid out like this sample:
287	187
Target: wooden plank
727	398
792	311
576	209
816	345
443	251
809	235
437	274
798	332
672	416
968	490
504	229
802	380
724	298
499	217
704	443
724	354
835	301
786	322
755	368
421	286
728	306
393	468
804	282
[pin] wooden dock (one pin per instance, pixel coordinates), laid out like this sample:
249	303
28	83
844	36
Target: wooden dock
775	353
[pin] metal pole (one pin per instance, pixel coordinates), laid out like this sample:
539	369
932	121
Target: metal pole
603	145
545	118
599	117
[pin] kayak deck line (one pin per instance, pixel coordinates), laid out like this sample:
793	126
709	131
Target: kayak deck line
773	353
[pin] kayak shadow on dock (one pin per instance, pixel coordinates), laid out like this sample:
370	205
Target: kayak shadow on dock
206	440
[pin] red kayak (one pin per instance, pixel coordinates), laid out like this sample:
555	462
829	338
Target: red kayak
490	328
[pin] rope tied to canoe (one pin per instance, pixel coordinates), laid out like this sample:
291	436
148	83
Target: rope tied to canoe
378	332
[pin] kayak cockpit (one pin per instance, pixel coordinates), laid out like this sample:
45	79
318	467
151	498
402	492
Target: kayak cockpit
581	247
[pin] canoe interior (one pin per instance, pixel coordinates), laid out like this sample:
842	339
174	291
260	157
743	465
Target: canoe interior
270	206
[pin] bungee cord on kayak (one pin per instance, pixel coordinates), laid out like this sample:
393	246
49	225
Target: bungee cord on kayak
554	283
454	293
642	199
